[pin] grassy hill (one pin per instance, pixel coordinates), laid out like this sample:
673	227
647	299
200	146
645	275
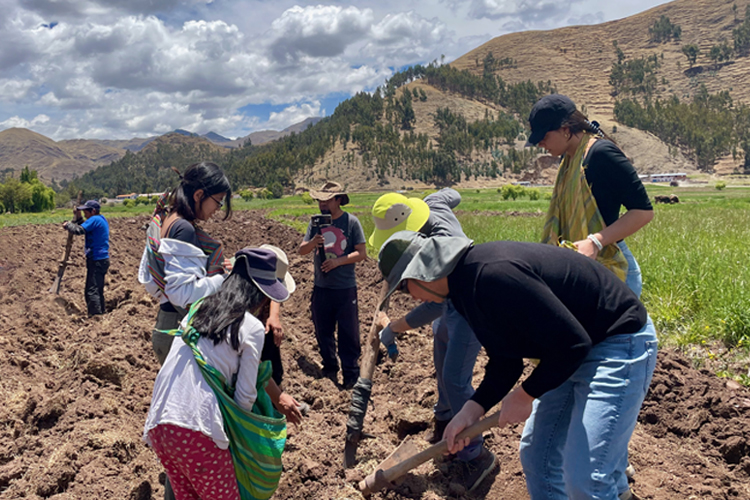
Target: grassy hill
578	61
52	160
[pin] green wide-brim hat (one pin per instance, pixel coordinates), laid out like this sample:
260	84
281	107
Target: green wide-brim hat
412	255
395	212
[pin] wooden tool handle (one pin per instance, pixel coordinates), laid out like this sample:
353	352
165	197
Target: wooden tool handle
374	481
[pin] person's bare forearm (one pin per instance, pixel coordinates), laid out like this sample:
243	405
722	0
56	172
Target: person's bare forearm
627	225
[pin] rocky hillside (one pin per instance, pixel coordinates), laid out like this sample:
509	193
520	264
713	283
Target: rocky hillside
61	160
578	61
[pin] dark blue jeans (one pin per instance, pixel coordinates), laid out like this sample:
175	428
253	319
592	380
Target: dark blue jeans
331	307
95	272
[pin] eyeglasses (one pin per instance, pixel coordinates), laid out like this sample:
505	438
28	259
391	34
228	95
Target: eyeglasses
218	202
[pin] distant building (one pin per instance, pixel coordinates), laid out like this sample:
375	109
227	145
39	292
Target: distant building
671	177
131	196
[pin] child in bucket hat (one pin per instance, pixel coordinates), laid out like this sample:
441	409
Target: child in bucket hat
592	335
229	338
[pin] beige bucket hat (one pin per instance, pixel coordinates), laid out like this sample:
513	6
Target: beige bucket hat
329	190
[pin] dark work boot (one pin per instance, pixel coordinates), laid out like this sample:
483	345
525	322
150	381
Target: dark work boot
436	434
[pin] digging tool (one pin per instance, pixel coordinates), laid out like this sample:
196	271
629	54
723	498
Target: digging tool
363	387
55	288
406	457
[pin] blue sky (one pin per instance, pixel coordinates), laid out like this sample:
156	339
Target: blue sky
136	68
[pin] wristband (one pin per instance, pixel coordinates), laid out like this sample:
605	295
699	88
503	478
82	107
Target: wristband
596	241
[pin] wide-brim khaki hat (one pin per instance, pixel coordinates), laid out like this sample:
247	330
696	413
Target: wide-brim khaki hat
412	255
282	268
329	191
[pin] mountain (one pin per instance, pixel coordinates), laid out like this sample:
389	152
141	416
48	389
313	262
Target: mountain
61	160
578	61
216	138
264	136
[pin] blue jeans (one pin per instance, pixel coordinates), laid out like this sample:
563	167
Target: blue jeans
455	350
574	443
634	279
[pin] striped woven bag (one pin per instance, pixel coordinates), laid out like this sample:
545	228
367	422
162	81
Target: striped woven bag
256	439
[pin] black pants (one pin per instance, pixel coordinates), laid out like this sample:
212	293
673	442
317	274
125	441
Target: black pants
331	308
273	354
95	272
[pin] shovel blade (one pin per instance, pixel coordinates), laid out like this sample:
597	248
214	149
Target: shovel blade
406	449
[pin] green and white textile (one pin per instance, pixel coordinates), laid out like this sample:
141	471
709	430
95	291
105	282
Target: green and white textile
256	439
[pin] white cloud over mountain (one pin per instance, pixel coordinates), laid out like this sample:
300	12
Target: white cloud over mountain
121	68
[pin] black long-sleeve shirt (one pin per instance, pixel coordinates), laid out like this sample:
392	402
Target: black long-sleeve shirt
613	181
529	300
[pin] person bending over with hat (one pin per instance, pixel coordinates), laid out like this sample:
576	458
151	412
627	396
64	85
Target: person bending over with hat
334	297
593	338
595	179
455	347
189	424
96	229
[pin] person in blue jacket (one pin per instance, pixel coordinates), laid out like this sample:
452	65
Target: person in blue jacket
96	229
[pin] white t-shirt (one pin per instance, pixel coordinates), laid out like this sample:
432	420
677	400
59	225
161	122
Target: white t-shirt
182	396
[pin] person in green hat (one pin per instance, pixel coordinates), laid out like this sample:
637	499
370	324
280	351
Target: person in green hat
455	347
594	340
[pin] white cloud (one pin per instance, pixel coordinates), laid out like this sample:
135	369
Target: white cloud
319	31
15	90
406	37
526	10
291	115
17	121
119	68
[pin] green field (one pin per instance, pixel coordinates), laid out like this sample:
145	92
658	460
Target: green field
692	256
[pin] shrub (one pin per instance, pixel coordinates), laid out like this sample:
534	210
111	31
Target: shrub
306	198
265	194
533	193
246	194
720	185
154	199
141	200
511	191
129	203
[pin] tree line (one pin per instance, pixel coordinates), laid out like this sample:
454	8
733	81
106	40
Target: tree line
376	131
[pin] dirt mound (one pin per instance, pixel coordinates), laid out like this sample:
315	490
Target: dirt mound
74	392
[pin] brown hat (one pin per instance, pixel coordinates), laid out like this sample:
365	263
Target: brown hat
328	191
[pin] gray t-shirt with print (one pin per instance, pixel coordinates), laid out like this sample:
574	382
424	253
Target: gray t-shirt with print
341	238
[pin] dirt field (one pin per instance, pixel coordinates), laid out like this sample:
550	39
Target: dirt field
74	392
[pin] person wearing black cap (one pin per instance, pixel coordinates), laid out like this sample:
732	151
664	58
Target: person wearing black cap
96	229
594	342
594	181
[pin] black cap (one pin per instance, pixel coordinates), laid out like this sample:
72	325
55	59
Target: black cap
548	114
90	205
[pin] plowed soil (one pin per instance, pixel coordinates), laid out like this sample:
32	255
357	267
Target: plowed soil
74	391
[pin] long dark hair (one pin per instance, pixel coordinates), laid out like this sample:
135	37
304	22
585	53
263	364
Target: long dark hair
204	175
227	307
577	122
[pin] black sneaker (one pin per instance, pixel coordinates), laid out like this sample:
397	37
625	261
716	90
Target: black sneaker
436	434
475	471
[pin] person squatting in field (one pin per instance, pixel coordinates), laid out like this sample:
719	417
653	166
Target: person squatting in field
455	347
187	426
593	339
594	181
96	229
334	297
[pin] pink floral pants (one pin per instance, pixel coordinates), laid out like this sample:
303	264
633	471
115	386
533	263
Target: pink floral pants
197	468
